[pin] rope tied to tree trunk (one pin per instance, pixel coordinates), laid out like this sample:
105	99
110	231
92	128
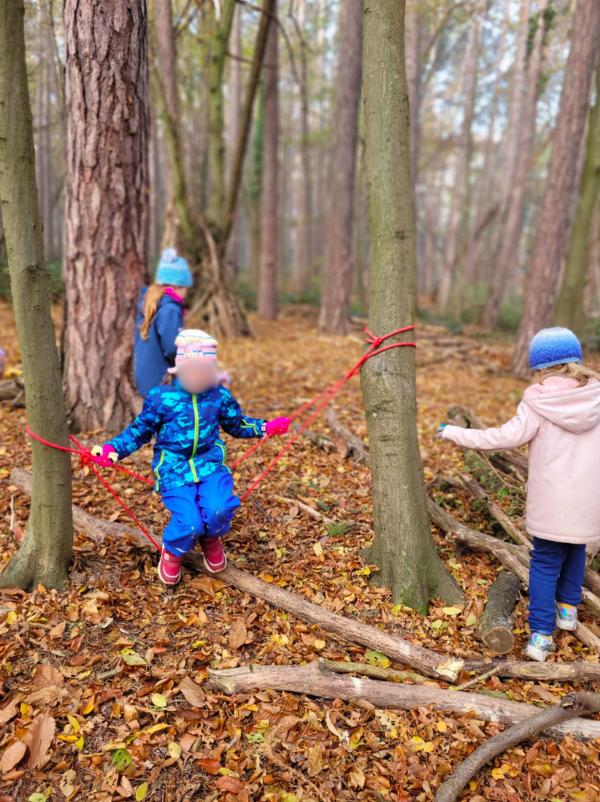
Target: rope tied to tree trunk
319	402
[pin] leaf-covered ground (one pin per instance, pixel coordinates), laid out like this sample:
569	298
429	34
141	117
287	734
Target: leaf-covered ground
103	692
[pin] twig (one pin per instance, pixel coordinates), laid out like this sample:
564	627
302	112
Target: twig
476	680
113	672
569	707
318	516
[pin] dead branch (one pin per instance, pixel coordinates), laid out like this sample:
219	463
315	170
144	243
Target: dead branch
579	671
315	679
374	672
318	439
354	447
318	516
577	704
473	487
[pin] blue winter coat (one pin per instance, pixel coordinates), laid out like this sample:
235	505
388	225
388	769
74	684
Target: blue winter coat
154	356
188	446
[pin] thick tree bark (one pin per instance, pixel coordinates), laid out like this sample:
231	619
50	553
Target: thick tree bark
569	306
496	624
337	279
414	37
554	222
569	707
269	200
46	550
315	680
403	547
107	205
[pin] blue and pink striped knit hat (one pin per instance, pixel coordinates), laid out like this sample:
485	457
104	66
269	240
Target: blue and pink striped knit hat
194	344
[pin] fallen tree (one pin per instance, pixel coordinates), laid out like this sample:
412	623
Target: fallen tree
570	707
315	679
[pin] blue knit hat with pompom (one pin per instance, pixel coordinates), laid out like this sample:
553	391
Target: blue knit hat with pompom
173	270
554	346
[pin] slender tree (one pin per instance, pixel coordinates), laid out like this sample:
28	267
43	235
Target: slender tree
46	550
403	547
337	282
554	222
569	305
269	240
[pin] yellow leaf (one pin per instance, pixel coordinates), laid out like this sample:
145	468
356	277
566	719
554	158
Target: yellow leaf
441	726
25	709
319	644
79	744
141	792
174	750
75	726
11	617
318	549
280	640
355	738
158	700
500	772
452	611
419	745
85	711
155	728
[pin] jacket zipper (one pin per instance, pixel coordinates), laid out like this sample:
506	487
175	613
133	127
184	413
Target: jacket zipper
196	432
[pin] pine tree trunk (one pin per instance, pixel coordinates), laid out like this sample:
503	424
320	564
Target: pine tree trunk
554	222
569	306
337	281
403	547
234	242
269	239
107	205
302	261
523	121
46	550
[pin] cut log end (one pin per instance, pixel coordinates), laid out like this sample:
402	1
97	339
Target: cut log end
496	624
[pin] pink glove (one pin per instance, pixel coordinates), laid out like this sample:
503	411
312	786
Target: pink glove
277	426
104	455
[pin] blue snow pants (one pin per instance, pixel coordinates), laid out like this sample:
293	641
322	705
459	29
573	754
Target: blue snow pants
555	575
203	509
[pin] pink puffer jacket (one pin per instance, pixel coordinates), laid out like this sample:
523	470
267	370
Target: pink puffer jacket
561	422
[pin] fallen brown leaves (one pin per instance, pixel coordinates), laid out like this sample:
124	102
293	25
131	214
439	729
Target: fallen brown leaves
103	692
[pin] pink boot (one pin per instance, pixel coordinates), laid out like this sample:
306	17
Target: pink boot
169	568
215	559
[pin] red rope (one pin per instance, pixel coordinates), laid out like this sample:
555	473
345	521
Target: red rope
320	401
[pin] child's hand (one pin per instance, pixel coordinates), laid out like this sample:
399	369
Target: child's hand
277	426
440	429
104	455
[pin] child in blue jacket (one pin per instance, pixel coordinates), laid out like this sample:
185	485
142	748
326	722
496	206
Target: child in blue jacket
159	321
195	484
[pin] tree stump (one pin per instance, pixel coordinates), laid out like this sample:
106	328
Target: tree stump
496	623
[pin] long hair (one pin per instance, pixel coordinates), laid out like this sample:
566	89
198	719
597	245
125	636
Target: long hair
572	370
151	302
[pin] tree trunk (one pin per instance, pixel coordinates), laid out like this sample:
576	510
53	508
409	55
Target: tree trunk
107	206
46	550
337	281
496	623
450	289
414	37
553	227
233	250
521	140
403	547
269	201
569	306
302	262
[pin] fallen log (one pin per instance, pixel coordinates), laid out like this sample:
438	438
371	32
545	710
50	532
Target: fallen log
355	449
315	680
570	707
424	660
496	624
579	671
511	557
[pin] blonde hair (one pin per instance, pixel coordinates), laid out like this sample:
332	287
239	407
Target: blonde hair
572	370
151	302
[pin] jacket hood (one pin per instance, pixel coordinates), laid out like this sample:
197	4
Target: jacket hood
562	401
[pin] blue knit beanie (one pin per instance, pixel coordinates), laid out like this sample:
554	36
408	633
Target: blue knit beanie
555	346
173	270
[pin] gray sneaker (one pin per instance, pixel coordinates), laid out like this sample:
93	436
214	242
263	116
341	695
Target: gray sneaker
539	647
566	616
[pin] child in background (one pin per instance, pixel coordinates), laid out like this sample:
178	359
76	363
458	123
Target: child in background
195	484
559	417
159	320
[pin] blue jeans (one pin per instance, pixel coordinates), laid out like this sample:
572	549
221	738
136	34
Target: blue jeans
555	575
203	509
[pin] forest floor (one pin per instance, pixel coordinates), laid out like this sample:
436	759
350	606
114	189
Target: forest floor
132	734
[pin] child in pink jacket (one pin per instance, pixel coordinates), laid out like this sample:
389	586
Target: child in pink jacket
559	417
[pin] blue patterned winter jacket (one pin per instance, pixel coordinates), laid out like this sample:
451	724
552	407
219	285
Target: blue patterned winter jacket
188	446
